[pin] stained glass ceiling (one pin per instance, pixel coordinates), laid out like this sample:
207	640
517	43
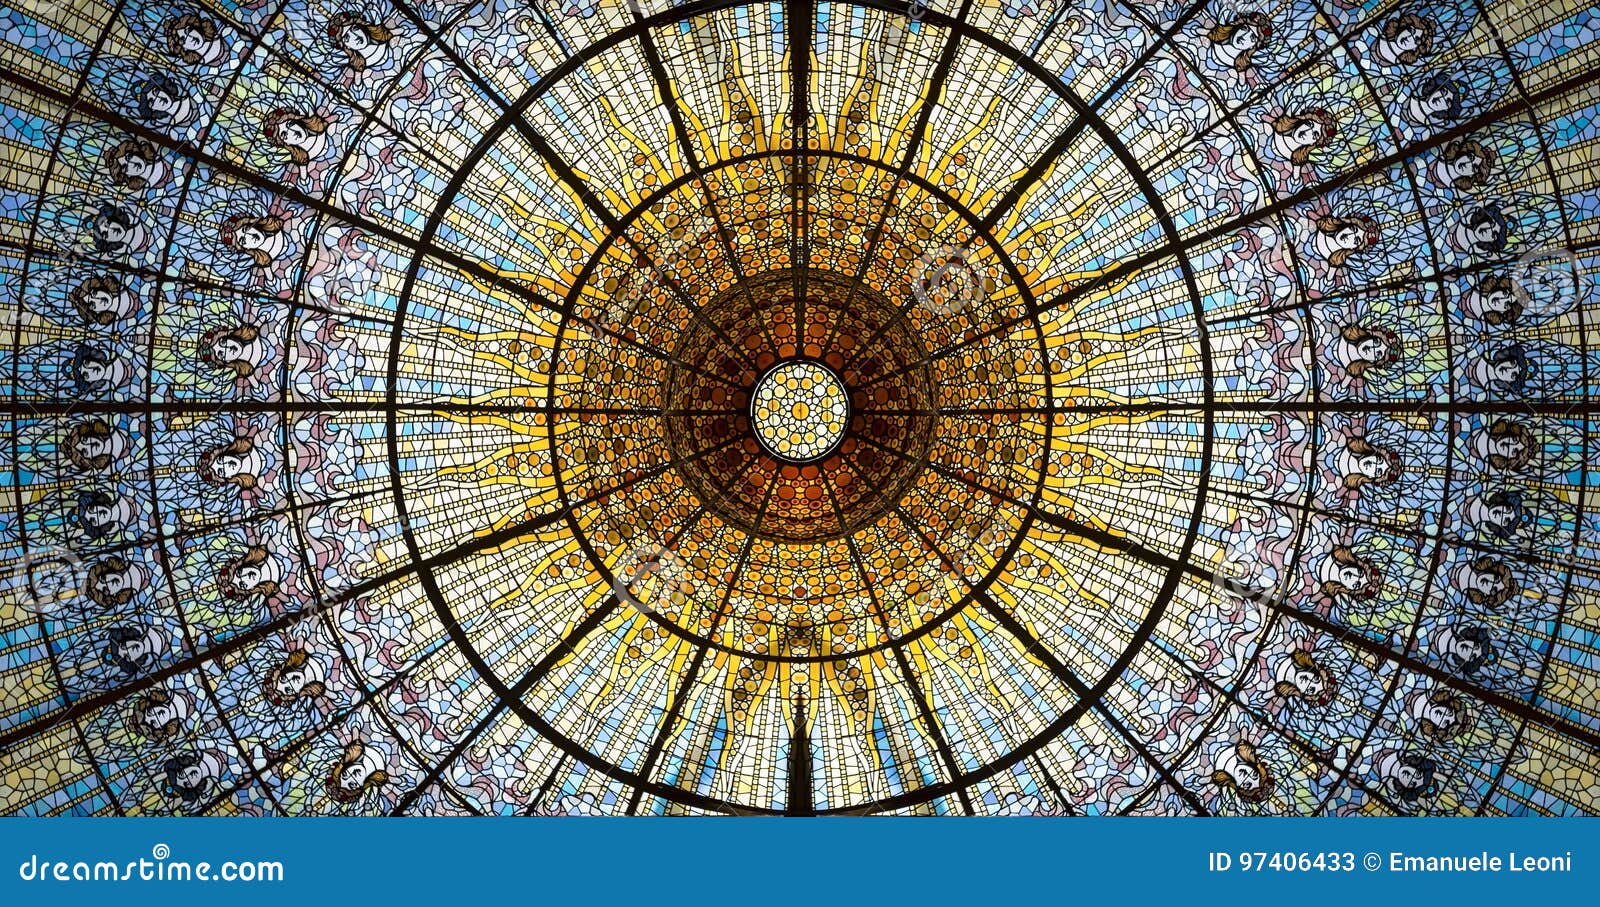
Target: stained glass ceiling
967	407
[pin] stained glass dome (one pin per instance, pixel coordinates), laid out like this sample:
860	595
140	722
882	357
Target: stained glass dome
958	407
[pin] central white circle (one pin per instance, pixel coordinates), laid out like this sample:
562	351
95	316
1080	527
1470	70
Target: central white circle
799	410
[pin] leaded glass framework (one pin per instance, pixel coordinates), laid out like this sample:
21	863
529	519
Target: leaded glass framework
1205	426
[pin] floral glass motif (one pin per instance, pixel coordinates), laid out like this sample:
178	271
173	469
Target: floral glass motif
799	410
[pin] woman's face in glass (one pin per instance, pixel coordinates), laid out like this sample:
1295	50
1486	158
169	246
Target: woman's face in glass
227	466
136	167
1508	447
1350	238
292	133
1437	102
193	42
247	577
355	41
1308	682
104	302
110	231
1485	582
289	683
1352	577
1505	371
1373	466
1464	167
163	103
89	448
1247	776
251	238
227	349
1308	132
1244	39
92	372
111	583
353	776
1372	349
1406	40
1442	716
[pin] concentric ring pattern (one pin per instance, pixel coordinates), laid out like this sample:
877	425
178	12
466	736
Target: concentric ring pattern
798	410
1208	395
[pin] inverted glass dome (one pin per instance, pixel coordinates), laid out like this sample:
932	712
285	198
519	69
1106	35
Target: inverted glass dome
647	407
